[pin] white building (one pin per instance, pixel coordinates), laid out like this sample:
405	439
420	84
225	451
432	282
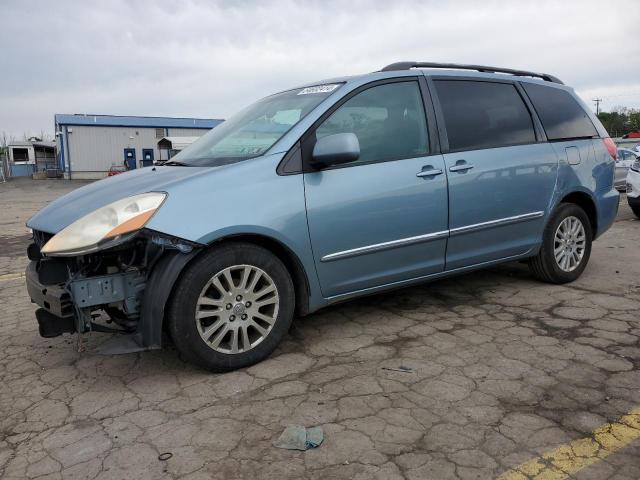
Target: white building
30	156
88	145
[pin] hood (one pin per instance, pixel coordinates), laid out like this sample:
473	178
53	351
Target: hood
82	201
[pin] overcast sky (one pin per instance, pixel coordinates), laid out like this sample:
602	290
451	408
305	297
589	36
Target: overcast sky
208	59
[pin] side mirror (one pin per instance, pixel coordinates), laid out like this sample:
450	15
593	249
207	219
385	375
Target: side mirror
335	150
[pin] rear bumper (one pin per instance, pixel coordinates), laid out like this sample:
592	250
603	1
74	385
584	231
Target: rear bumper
607	209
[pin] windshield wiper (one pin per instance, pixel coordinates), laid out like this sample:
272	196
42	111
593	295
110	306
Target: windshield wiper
174	163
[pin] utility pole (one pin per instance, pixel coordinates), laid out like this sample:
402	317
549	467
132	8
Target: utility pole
597	102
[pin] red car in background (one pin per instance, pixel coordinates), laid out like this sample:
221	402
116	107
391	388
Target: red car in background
116	170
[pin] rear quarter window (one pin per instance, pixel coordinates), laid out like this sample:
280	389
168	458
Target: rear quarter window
483	114
561	115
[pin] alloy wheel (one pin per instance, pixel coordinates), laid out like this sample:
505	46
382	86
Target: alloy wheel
237	309
569	244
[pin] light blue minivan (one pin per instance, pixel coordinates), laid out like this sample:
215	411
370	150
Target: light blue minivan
322	193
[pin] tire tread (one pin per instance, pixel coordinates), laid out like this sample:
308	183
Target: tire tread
180	329
543	266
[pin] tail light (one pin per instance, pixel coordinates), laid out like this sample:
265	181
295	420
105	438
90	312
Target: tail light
611	148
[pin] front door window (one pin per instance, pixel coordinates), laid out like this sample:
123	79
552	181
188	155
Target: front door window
388	120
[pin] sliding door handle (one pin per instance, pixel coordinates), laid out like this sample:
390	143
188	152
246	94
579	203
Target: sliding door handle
462	167
429	172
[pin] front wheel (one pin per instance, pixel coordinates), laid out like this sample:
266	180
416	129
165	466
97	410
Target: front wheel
566	246
231	307
635	208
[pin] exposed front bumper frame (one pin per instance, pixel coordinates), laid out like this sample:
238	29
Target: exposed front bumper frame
75	300
53	298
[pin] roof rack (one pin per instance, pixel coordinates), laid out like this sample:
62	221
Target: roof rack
479	68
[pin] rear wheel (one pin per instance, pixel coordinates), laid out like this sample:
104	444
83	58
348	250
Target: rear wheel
231	307
566	246
635	209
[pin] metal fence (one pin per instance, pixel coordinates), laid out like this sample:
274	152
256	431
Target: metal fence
46	166
4	167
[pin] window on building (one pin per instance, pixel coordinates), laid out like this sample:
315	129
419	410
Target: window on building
561	115
483	114
161	132
388	120
20	155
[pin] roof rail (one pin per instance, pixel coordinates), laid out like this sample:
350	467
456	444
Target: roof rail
479	68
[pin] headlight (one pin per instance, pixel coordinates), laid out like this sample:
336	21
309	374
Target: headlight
105	226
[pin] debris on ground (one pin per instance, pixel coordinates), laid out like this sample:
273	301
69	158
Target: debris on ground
315	436
297	437
401	368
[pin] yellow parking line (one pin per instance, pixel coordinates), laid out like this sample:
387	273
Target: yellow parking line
10	276
568	459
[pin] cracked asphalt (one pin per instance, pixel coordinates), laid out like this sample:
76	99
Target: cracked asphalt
466	378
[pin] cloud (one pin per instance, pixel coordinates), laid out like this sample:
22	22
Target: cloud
208	59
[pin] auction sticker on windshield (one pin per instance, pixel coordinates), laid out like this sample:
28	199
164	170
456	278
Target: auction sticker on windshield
319	89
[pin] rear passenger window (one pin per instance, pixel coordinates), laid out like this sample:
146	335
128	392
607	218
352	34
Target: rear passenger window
561	115
483	114
388	120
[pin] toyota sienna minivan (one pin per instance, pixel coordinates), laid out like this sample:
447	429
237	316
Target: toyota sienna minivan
322	193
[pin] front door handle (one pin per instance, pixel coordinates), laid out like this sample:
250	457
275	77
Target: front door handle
429	171
461	167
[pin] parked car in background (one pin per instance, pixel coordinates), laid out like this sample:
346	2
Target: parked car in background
633	187
326	192
625	159
116	170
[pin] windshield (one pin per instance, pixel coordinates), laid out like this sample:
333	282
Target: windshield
252	131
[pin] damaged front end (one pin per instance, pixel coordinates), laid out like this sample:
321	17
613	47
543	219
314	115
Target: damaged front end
129	284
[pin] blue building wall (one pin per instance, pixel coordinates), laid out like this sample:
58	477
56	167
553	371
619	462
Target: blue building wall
21	169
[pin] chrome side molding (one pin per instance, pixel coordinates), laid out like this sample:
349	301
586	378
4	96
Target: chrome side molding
378	247
495	223
354	252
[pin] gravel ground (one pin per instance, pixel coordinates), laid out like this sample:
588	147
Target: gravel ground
465	379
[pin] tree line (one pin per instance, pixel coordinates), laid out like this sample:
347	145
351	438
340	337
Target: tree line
620	121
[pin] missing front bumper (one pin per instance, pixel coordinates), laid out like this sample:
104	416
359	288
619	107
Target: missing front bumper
51	326
67	307
139	293
52	298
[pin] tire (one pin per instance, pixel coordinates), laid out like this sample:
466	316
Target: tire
204	341
635	209
544	265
